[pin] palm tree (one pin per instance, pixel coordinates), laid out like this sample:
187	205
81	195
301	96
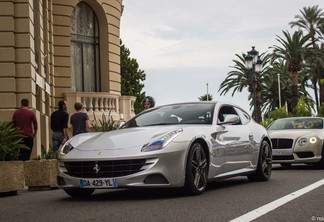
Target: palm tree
314	70
311	20
242	77
206	97
270	87
292	50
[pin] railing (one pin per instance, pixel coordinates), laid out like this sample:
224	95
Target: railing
96	104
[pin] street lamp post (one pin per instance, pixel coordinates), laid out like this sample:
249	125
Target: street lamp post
279	91
207	92
253	62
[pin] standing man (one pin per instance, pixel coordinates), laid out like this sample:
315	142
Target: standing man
25	120
59	125
79	120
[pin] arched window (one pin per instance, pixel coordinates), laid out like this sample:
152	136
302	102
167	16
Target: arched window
84	49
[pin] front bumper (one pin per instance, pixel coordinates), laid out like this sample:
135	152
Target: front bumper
157	170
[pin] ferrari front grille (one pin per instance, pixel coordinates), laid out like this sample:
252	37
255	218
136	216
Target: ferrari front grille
104	169
282	143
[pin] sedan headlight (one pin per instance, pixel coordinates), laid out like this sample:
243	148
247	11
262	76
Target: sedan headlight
312	140
161	142
303	141
67	147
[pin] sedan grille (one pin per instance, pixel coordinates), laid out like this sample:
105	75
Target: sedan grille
282	143
104	169
305	154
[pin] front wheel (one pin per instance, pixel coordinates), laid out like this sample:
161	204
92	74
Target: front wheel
79	193
264	167
196	170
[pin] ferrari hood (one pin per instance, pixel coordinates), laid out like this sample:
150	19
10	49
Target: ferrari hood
121	139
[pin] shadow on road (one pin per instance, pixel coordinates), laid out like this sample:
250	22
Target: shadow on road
295	167
156	193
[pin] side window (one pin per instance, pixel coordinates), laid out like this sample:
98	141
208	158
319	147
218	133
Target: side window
245	118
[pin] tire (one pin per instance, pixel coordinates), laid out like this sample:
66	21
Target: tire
79	193
320	164
196	170
264	167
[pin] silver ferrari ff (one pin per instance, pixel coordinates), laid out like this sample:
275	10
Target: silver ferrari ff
298	140
178	145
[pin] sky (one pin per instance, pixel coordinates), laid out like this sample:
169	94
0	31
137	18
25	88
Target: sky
187	47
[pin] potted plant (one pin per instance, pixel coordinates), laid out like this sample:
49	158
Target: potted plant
11	170
41	172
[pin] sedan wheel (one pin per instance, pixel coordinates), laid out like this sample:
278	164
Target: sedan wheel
264	167
320	164
196	170
79	193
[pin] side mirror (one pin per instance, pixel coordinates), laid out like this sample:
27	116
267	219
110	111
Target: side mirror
231	119
121	123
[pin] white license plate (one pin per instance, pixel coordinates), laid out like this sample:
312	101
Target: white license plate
276	152
98	183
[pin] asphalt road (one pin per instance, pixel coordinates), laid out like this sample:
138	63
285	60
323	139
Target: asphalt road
223	201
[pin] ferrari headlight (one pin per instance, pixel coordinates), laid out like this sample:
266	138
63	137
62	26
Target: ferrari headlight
67	147
162	141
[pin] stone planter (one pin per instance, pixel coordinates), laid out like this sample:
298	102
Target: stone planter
41	174
11	176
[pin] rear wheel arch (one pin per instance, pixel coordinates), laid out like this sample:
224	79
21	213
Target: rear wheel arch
264	166
268	140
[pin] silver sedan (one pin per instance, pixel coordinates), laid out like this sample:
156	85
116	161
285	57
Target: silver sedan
178	145
298	140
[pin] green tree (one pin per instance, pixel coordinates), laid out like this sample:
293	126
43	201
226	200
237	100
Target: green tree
310	20
204	97
273	115
242	77
270	87
292	50
320	112
131	77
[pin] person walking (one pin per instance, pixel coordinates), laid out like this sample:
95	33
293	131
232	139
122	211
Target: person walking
25	120
79	120
59	125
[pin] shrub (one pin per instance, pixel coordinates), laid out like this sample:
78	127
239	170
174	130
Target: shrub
275	114
105	124
46	154
11	141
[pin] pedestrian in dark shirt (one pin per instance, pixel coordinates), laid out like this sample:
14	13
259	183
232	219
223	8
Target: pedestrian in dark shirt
59	125
79	120
25	120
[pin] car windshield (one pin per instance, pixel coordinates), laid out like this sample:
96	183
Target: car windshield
297	123
193	113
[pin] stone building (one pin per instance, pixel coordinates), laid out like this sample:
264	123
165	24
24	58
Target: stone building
58	49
